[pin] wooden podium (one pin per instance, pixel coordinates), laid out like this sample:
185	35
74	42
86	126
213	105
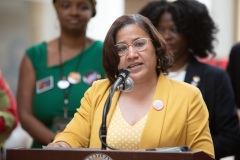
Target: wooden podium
97	154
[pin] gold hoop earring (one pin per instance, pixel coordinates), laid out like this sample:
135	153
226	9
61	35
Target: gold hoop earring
159	64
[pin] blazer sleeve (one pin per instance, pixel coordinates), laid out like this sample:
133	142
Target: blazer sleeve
83	130
233	69
225	132
77	132
198	133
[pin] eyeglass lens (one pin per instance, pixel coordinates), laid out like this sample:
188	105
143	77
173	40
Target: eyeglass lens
138	45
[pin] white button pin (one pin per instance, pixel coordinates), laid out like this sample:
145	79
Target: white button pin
158	105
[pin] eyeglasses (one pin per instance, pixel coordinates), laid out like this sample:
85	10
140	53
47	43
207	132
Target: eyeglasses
139	45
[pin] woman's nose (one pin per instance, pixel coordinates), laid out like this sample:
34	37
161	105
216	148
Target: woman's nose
132	52
74	10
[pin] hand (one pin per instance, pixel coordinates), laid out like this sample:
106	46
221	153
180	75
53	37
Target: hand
59	144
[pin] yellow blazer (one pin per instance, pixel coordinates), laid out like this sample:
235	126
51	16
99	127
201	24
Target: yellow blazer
182	121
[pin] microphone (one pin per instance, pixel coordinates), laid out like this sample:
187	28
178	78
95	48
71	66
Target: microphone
126	86
123	75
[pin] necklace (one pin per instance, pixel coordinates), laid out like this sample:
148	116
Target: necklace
73	77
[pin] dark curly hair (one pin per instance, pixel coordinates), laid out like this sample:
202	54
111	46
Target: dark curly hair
192	21
111	58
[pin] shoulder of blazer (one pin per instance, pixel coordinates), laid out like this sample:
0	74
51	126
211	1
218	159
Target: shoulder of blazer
236	49
202	70
98	89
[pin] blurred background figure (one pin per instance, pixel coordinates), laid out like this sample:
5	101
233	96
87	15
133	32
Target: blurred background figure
54	75
233	69
190	32
8	112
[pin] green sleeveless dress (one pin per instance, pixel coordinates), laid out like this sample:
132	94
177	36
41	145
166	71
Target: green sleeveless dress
48	100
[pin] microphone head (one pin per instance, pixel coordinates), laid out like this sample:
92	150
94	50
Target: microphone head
129	84
126	86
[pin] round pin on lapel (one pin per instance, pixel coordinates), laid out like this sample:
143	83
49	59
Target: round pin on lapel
158	105
195	81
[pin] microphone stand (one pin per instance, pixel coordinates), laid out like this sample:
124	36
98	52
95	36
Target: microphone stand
103	129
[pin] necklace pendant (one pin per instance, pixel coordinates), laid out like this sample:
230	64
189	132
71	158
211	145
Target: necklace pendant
63	83
74	77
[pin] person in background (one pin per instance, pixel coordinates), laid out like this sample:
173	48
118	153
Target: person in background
233	69
189	32
54	75
140	118
8	112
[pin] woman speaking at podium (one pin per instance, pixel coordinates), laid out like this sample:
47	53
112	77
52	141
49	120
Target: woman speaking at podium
157	112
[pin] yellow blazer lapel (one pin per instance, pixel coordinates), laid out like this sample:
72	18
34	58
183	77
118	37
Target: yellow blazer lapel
153	128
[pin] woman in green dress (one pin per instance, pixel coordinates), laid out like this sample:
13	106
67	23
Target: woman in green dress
54	75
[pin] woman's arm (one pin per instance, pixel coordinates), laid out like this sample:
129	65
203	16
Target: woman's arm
25	92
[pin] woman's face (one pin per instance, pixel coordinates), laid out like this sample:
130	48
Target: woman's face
142	64
175	41
74	14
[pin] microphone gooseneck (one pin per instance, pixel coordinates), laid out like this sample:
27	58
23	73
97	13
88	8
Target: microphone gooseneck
120	84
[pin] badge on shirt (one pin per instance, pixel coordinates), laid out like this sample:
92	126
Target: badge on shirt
90	77
44	84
